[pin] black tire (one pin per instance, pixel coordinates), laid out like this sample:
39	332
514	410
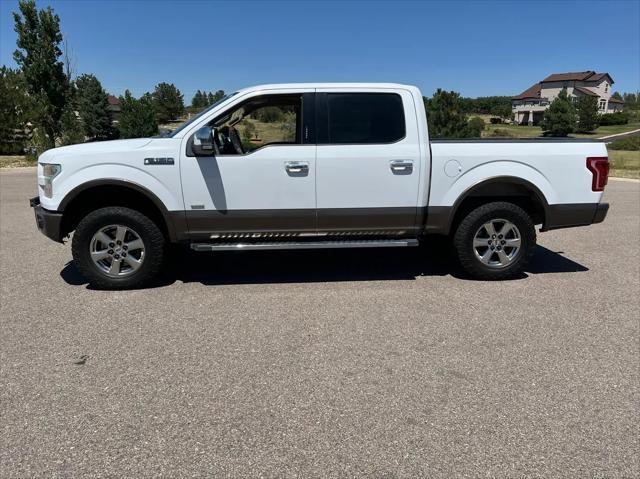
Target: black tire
147	230
466	232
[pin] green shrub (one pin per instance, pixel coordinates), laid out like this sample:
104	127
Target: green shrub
476	125
630	144
501	133
634	115
618	118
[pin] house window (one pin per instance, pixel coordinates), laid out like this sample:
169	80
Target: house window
606	87
603	104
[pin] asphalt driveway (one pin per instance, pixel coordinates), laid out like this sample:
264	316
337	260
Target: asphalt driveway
373	363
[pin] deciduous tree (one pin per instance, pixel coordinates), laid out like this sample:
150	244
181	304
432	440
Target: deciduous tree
38	55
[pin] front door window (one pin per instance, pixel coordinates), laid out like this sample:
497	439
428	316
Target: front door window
259	122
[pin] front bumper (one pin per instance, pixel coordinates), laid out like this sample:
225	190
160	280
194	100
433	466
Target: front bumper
578	214
48	222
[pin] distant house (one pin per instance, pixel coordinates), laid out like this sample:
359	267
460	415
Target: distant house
114	108
529	106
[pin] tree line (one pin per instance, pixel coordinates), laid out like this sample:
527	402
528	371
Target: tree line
202	99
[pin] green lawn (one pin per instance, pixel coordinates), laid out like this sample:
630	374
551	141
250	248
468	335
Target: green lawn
517	131
624	164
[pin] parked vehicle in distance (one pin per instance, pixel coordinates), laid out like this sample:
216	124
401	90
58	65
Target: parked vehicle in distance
313	166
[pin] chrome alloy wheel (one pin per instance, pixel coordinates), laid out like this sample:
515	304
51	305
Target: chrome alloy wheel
497	243
117	250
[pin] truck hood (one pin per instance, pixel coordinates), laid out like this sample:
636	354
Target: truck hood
97	147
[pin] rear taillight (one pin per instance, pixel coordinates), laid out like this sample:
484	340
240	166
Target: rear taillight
599	167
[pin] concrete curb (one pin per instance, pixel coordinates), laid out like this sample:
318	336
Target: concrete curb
632	180
630	133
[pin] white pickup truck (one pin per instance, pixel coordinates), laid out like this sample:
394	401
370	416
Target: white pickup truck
313	166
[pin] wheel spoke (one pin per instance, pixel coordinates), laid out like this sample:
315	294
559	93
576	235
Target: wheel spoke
131	261
504	257
486	257
478	242
506	227
115	266
490	228
135	244
103	238
513	243
121	231
98	255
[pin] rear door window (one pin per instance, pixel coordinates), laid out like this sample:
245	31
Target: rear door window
364	118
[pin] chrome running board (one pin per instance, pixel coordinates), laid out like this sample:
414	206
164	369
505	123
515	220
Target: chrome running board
391	243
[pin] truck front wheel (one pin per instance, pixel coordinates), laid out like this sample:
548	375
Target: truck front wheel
118	248
495	241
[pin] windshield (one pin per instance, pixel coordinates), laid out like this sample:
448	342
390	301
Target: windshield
197	117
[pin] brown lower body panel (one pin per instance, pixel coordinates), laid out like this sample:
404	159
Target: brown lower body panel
213	224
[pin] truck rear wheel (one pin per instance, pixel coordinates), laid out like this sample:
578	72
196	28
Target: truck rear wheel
495	241
118	248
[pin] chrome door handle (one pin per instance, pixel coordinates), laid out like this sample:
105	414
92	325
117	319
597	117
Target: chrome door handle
297	167
401	167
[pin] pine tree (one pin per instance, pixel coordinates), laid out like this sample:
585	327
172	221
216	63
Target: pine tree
560	118
168	102
446	116
196	101
14	105
587	113
38	55
71	126
210	99
217	95
137	117
92	103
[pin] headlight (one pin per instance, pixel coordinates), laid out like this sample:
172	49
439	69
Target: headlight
49	172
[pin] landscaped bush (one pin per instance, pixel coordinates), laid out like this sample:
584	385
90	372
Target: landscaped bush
501	133
619	118
476	124
634	115
631	144
495	120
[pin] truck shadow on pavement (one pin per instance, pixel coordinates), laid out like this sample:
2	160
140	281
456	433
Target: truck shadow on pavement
309	266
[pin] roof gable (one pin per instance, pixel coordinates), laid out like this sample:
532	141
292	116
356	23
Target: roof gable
588	75
580	76
599	76
532	92
585	91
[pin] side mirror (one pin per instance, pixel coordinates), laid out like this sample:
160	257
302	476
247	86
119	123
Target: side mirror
203	142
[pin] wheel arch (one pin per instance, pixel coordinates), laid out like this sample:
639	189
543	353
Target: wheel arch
95	194
513	189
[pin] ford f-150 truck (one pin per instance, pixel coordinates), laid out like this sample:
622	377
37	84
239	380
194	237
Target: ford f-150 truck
313	166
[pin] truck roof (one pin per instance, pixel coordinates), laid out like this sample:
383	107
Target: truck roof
282	86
